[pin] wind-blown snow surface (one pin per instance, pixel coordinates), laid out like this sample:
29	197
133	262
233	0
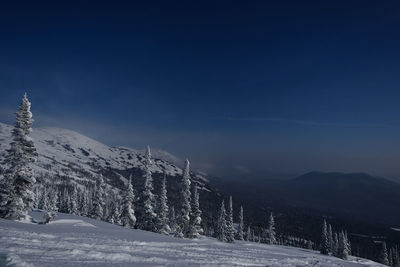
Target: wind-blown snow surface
79	241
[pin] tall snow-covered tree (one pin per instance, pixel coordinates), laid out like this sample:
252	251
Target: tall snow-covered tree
221	226
241	225
16	195
324	246
127	216
162	209
44	199
97	211
383	257
183	218
74	201
195	216
330	238
230	230
342	250
84	203
271	235
172	219
51	212
146	217
348	244
335	247
248	234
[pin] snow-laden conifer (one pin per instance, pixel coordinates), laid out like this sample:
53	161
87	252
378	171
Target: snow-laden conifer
16	195
74	201
230	231
84	203
172	219
330	238
51	212
162	209
221	226
335	247
248	234
146	217
97	211
383	257
44	199
271	235
324	246
127	217
342	250
195	216
183	218
241	225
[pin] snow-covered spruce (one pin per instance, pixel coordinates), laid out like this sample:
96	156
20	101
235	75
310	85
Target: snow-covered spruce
195	216
146	217
97	211
183	219
162	209
344	246
248	233
241	225
330	239
127	217
172	219
324	246
271	235
16	195
383	257
230	231
221	225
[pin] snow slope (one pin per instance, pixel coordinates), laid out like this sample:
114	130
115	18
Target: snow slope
79	241
78	158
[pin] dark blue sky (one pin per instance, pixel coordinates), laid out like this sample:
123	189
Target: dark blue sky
249	86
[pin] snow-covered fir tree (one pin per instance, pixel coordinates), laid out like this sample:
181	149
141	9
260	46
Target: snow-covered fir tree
162	209
271	235
127	217
335	244
51	212
74	201
342	249
172	219
16	195
248	234
183	218
146	217
221	226
230	230
65	200
241	225
330	238
97	211
84	203
324	245
44	199
195	216
348	244
383	257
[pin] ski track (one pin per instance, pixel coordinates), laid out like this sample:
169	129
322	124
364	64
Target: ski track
79	241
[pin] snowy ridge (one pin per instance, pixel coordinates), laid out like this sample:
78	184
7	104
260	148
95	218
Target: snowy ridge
67	153
68	241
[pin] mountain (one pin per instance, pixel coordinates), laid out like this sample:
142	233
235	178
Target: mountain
359	195
65	156
79	241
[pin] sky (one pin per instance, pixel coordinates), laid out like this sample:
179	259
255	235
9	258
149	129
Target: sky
241	88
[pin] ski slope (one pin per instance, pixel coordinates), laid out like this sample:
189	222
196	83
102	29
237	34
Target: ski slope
79	241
